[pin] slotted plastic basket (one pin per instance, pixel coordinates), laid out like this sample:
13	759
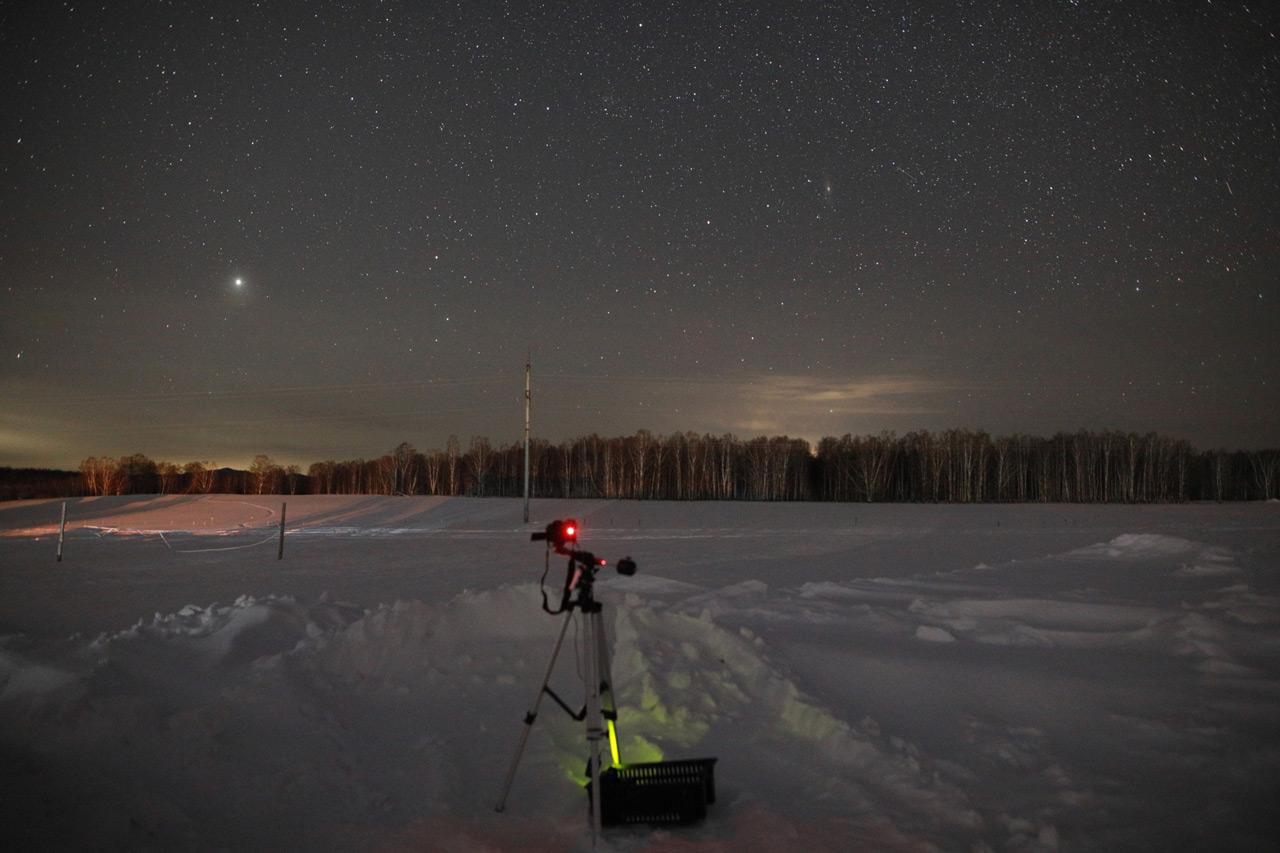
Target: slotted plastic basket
657	792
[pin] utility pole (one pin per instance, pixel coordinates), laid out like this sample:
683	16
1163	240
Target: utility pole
528	370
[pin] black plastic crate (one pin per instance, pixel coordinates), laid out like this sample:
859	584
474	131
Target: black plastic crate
657	792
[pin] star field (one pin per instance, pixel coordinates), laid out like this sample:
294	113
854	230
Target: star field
315	230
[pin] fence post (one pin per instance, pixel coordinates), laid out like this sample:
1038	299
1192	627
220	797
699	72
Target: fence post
62	529
280	556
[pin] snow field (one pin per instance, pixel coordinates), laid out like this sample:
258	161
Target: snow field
1116	685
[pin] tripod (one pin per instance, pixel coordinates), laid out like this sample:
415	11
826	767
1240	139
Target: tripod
600	712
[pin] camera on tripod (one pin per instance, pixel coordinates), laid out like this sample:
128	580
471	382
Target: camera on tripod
618	793
558	535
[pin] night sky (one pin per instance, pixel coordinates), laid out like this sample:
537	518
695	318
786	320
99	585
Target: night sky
315	230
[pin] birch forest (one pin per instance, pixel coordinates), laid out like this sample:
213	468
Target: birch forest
953	466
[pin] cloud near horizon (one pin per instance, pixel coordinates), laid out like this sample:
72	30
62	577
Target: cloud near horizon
813	407
878	395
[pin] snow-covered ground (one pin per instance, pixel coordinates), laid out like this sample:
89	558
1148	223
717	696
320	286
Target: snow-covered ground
869	677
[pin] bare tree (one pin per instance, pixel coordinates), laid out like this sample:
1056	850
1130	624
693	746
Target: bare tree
1265	466
99	475
406	470
384	474
200	477
479	461
1220	464
433	468
168	474
452	453
659	453
322	477
874	458
264	475
639	448
590	463
136	474
757	459
725	455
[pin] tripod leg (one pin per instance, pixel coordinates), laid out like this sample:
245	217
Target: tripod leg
532	714
608	706
595	723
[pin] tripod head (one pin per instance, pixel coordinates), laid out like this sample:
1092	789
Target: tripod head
583	565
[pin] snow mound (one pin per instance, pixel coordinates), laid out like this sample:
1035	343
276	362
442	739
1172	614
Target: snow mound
1144	546
1211	570
20	677
244	631
1068	615
934	635
410	639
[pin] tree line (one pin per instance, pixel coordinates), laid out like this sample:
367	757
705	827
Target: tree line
952	466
